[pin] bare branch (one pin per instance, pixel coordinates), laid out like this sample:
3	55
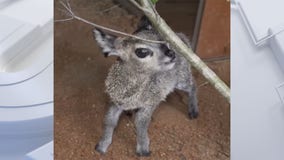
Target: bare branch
177	44
64	20
68	4
73	16
138	6
143	4
154	9
110	8
203	84
115	31
67	7
66	13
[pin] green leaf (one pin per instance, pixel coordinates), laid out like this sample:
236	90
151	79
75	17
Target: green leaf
154	1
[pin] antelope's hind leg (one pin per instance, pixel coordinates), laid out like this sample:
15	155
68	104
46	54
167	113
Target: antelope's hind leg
193	110
190	88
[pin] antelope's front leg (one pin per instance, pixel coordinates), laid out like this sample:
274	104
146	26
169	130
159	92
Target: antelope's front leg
142	120
111	120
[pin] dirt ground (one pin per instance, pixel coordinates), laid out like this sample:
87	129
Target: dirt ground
80	100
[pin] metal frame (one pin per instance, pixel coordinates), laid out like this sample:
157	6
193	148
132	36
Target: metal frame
257	42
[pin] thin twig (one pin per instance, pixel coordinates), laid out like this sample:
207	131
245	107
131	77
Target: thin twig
203	84
68	3
68	8
64	11
115	31
110	8
73	16
64	20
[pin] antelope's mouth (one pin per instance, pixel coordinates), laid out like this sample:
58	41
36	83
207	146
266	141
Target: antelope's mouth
170	61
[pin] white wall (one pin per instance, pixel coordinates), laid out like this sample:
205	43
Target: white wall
257	114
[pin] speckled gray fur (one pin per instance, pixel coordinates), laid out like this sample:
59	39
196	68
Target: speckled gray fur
142	83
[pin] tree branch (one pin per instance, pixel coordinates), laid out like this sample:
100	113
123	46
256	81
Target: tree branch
178	45
138	6
73	16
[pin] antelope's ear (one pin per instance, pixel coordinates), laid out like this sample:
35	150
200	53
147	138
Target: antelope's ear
106	42
144	24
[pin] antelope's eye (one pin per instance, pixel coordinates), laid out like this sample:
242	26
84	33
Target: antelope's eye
143	52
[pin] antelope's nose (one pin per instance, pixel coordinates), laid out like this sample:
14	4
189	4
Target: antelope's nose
170	54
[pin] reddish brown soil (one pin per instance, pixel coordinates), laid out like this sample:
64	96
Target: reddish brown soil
80	101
